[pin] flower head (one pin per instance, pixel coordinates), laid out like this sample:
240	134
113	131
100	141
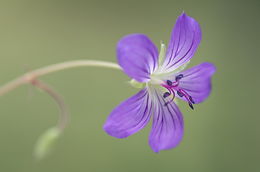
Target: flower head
164	81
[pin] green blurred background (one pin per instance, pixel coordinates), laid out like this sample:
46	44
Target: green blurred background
221	134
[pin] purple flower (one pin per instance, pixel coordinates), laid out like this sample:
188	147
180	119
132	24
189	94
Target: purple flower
164	80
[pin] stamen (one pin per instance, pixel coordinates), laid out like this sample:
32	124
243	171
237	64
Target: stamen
178	77
169	82
172	87
187	97
173	96
180	93
191	106
166	94
191	99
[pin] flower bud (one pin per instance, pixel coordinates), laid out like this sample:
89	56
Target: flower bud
46	142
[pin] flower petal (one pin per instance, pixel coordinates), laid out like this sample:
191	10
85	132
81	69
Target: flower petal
185	39
130	116
167	129
138	56
196	81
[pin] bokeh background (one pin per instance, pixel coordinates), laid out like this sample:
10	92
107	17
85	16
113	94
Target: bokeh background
221	134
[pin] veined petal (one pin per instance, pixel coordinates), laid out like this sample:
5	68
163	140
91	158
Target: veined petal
167	128
130	116
185	39
196	81
138	56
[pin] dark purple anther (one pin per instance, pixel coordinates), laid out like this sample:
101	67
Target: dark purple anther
180	93
191	99
178	77
191	106
166	94
169	82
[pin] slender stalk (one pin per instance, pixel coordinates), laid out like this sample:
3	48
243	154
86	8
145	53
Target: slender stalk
32	78
32	75
64	113
45	141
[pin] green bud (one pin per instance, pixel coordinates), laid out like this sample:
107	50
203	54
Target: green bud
45	142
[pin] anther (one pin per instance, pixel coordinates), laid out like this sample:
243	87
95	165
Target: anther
169	82
191	99
191	106
166	94
180	93
178	77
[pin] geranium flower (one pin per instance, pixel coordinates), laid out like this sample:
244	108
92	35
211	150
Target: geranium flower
163	80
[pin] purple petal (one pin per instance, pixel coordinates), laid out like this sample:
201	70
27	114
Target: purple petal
185	39
167	129
130	116
196	81
138	56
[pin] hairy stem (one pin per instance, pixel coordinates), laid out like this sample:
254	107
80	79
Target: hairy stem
32	75
64	113
32	78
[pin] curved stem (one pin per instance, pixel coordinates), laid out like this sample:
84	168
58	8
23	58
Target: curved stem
31	76
48	137
64	114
